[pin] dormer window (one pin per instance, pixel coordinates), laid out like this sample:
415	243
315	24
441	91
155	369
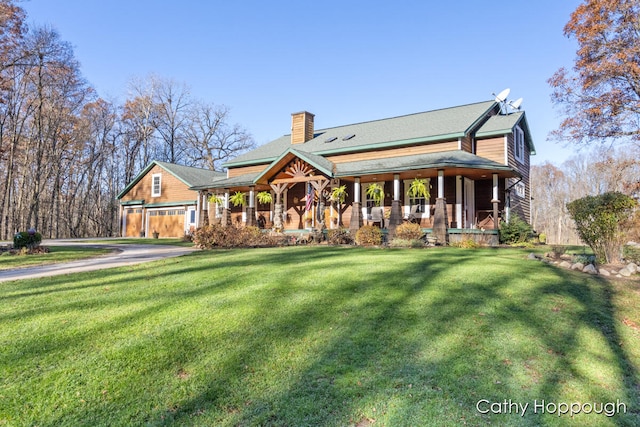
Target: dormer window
156	185
518	144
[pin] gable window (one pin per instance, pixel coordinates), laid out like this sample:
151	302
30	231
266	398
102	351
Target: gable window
518	144
156	185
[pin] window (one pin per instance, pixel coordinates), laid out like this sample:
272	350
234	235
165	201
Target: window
156	185
369	202
518	144
192	216
519	190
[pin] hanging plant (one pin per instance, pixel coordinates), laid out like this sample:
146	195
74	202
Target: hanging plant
418	188
264	197
237	199
339	194
214	198
376	193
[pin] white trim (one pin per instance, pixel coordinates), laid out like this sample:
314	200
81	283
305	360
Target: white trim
459	201
153	185
518	144
506	150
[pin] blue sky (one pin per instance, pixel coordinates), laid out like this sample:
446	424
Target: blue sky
345	61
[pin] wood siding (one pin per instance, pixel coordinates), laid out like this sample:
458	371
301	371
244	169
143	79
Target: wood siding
396	152
172	189
492	149
233	172
466	144
520	206
301	127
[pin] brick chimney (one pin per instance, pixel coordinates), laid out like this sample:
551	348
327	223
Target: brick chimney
301	127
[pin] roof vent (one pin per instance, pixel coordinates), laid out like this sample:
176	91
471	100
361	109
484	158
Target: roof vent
348	137
333	138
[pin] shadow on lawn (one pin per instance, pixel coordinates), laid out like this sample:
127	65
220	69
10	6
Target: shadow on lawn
402	339
415	341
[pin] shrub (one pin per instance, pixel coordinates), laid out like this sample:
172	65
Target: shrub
542	238
27	239
466	243
409	231
631	253
515	231
406	243
599	222
339	236
369	235
213	236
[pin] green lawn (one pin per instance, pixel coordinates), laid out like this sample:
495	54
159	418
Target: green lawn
319	336
57	254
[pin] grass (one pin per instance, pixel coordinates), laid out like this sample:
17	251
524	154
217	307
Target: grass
318	336
57	254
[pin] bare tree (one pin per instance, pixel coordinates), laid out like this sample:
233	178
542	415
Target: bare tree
211	140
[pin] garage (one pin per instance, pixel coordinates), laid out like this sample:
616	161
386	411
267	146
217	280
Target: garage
133	222
166	222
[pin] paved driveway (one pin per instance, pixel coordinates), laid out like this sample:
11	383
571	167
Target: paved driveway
122	255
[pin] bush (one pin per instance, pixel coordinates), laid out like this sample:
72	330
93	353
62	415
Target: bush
339	236
599	222
213	236
409	231
466	243
369	235
515	231
406	243
631	253
27	239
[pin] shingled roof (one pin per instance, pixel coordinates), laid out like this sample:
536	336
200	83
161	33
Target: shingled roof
436	125
190	176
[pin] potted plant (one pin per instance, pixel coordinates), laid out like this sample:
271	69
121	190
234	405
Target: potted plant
376	193
264	197
237	199
418	188
155	234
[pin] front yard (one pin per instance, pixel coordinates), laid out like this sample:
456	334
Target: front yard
321	336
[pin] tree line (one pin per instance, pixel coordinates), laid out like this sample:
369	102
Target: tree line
65	153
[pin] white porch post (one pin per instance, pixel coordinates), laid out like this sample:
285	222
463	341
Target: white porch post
495	202
356	190
396	187
440	184
356	213
458	201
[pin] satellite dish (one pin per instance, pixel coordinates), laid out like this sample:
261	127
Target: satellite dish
516	104
502	95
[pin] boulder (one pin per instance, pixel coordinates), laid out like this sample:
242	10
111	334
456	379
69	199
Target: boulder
565	264
578	266
633	268
604	272
590	269
532	256
625	272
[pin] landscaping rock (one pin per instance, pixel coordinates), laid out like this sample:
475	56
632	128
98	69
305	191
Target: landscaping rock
565	264
532	256
604	272
578	266
625	272
590	269
566	257
633	268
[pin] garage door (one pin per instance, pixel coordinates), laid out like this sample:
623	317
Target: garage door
133	221
167	222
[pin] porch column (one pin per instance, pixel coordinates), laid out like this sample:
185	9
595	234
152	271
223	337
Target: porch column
495	201
356	212
251	210
458	201
396	209
440	218
226	213
198	208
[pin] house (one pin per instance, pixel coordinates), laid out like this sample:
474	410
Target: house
159	200
473	158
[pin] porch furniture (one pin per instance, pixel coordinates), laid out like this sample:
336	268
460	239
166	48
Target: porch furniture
413	215
377	216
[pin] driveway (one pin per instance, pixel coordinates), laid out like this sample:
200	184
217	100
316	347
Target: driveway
122	255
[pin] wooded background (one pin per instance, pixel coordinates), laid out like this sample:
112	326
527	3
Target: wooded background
65	153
